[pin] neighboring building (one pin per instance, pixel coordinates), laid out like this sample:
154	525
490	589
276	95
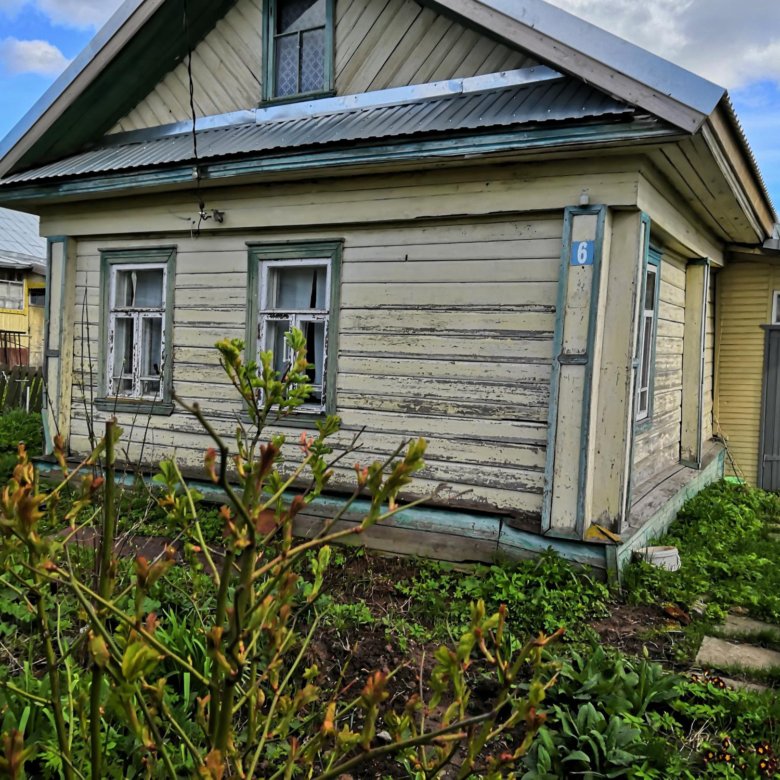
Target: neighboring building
22	289
747	409
499	225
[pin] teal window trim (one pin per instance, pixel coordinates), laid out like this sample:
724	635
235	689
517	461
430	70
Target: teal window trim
269	56
109	258
260	253
651	268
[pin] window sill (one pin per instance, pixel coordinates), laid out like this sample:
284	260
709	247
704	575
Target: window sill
642	426
304	97
138	406
305	420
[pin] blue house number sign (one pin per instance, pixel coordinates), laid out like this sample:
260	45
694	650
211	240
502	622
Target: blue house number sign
582	252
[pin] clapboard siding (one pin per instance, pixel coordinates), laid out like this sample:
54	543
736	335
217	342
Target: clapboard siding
463	362
658	445
379	44
744	304
226	73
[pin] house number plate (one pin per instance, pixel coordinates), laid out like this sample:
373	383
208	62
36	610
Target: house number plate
582	252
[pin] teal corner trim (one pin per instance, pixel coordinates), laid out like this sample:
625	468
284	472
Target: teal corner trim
269	55
552	415
294	250
595	301
552	420
136	256
48	352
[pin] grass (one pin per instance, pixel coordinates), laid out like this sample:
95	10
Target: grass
728	557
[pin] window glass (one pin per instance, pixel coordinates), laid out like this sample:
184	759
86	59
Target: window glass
647	328
37	297
11	290
297	295
136	330
299	47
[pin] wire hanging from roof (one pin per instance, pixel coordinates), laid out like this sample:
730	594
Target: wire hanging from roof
203	215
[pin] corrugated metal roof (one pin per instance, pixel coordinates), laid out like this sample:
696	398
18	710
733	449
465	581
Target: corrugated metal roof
20	243
558	100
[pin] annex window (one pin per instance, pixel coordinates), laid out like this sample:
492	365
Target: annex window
648	323
11	290
298	48
776	307
297	287
137	325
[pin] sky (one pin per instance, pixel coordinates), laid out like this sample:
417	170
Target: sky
735	44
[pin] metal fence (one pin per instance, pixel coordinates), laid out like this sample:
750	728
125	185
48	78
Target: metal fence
21	387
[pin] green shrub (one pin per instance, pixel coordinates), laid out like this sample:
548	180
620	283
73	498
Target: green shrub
542	594
17	426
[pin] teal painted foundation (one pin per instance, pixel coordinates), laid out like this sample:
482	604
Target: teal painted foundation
463	537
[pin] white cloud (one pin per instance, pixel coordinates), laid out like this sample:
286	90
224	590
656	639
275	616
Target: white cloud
40	57
77	13
728	43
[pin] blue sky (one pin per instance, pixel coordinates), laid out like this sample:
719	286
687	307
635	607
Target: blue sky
736	45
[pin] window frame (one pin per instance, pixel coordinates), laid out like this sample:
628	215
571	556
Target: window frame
269	56
652	266
775	307
262	257
22	283
112	261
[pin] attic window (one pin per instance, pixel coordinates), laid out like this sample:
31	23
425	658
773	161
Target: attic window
299	48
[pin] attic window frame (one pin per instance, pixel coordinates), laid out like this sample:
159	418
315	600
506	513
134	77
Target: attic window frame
269	56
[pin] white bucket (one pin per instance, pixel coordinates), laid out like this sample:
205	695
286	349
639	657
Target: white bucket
664	557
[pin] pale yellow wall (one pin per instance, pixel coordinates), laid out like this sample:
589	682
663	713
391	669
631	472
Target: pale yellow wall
445	332
744	304
27	322
378	44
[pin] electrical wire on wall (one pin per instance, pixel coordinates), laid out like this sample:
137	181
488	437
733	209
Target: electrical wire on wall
203	215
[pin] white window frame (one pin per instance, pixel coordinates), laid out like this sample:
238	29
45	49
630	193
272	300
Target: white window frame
138	314
14	284
646	359
267	314
776	307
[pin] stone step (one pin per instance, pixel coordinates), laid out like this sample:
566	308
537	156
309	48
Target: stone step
742	626
744	685
720	654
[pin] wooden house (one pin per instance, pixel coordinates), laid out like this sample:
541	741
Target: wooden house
747	409
500	227
22	290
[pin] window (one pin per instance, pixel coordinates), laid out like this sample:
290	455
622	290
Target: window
776	307
297	287
11	290
37	296
298	48
137	292
648	319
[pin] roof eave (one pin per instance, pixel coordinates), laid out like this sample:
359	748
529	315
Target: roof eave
74	80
